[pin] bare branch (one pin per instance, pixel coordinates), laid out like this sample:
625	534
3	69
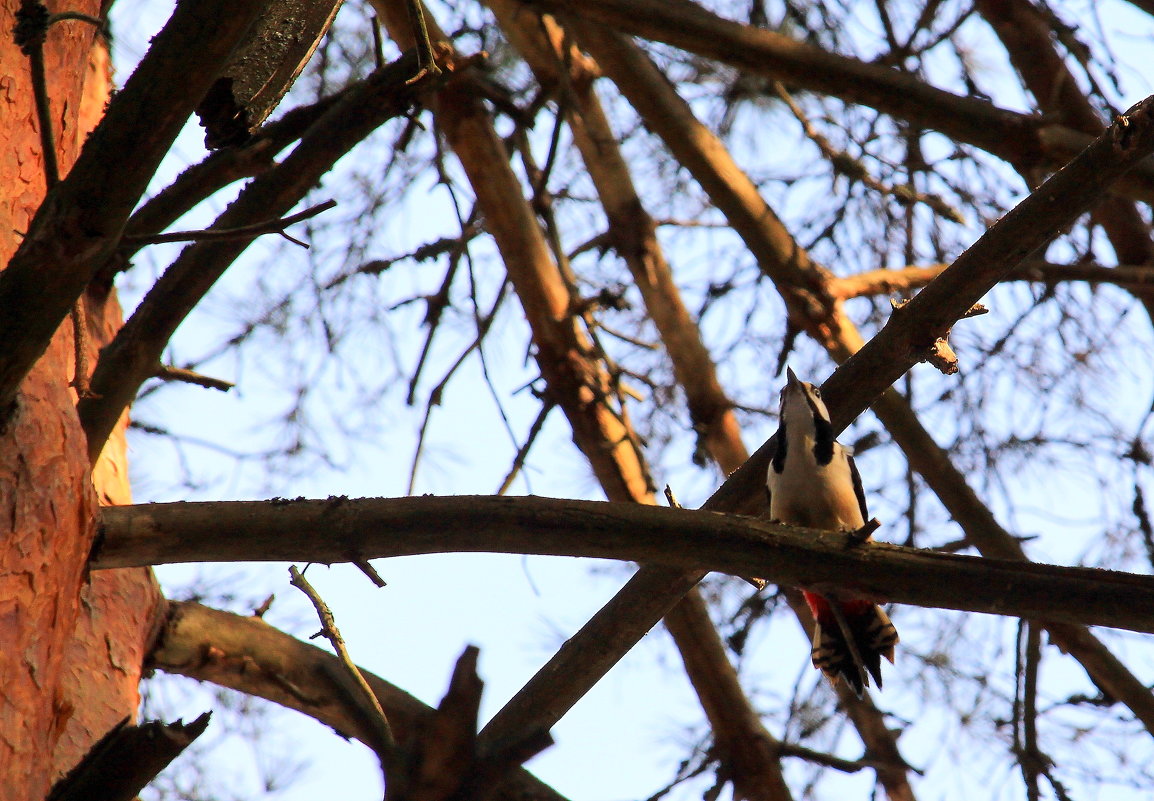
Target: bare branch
126	759
262	69
749	753
375	528
219	170
247	654
135	352
169	373
1135	279
756	51
79	223
382	742
240	232
1006	244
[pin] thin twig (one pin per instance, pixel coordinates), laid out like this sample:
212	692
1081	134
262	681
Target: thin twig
426	64
853	169
1032	761
241	232
826	760
438	391
170	373
366	567
81	371
862	534
378	721
523	451
436	304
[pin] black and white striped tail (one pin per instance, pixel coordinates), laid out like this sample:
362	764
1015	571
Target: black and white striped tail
874	636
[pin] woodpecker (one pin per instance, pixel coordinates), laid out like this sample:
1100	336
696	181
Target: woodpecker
813	482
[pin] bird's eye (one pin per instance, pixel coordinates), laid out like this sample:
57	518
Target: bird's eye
816	392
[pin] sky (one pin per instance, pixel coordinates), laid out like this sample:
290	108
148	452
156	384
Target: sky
623	739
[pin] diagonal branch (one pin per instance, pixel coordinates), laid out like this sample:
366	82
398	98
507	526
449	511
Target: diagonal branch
134	354
243	232
126	759
1010	135
80	221
1029	40
375	528
247	654
735	195
1023	230
577	383
218	170
747	751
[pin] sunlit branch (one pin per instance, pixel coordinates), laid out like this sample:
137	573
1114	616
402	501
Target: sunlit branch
1134	279
248	655
382	740
79	223
169	373
1013	238
385	527
1007	134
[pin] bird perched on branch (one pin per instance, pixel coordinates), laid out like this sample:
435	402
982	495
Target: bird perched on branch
813	482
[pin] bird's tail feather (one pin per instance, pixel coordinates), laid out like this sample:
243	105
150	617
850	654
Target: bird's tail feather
850	639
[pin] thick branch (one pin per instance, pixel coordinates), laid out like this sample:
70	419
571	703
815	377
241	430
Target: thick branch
126	760
263	68
801	281
746	749
576	382
735	195
79	224
632	231
689	540
248	655
1030	225
756	51
1029	41
749	754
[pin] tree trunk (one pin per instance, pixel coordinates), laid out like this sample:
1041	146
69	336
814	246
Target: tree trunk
72	648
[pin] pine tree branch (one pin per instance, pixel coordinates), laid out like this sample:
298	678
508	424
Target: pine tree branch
1013	238
133	356
1134	279
805	287
216	171
374	528
127	759
1029	40
247	232
577	383
250	656
743	744
79	223
1007	134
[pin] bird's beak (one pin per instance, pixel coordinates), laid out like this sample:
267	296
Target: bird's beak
790	378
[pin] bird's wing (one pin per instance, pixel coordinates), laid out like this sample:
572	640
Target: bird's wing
858	489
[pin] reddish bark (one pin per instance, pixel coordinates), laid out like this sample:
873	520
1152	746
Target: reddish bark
56	695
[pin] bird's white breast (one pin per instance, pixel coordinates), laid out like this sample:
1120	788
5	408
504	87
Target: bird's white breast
817	496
